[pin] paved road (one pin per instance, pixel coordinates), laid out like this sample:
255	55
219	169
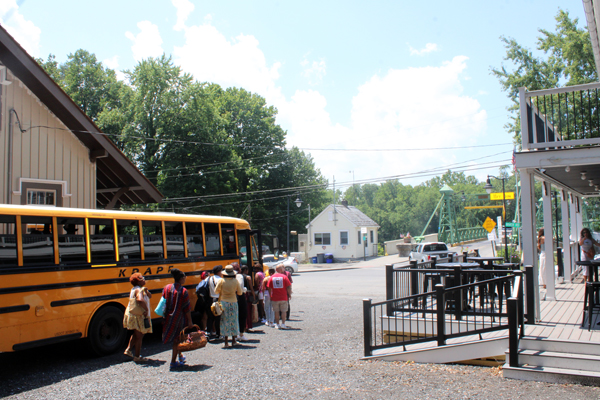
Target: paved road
318	358
484	247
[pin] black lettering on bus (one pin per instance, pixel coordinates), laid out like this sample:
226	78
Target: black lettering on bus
133	271
148	271
159	270
170	268
121	273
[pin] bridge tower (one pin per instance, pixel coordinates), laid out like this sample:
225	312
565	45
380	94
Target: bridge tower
447	224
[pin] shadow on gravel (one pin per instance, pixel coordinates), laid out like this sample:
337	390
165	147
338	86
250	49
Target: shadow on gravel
153	363
66	360
192	368
240	347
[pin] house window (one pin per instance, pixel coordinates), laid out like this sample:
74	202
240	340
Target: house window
343	238
323	239
41	197
359	237
371	236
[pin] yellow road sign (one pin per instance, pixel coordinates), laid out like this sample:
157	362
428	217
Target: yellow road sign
498	196
489	224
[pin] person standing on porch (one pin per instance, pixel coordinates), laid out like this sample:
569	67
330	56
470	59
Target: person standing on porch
587	243
541	246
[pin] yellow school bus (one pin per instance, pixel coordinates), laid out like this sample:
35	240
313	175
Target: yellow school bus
64	272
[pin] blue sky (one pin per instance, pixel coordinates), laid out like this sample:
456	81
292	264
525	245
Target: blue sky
350	75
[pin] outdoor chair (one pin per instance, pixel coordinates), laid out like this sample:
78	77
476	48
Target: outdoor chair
592	289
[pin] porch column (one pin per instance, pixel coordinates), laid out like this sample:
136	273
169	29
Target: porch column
566	243
549	247
579	225
529	233
574	238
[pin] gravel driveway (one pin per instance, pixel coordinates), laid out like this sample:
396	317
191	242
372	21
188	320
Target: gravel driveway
319	357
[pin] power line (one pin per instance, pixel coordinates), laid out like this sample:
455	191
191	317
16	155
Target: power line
247	146
314	187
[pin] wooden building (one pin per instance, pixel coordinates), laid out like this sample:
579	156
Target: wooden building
51	153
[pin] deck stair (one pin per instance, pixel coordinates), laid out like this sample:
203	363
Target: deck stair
556	361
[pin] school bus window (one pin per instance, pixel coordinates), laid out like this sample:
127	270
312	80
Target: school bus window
102	241
213	241
129	240
174	234
38	241
8	241
193	232
71	240
228	234
153	240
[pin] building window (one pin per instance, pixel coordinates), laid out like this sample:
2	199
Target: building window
343	238
359	237
371	236
41	197
323	239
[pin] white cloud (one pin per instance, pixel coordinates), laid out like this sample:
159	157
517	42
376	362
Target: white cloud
403	108
314	71
147	43
184	9
209	56
429	48
25	32
113	63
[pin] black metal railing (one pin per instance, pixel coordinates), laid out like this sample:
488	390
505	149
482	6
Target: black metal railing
516	321
439	315
438	304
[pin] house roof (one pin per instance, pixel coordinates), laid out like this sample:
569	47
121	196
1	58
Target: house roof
592	16
115	173
354	215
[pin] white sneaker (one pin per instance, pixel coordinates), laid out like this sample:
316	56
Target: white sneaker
277	326
262	321
242	338
282	326
267	323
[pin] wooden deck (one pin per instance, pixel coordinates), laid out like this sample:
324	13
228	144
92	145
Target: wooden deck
561	319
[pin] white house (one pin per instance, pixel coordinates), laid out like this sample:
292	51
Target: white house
340	230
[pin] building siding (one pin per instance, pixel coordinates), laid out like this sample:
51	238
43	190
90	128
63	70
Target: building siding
46	150
324	223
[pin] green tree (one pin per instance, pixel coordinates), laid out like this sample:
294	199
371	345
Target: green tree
568	60
89	84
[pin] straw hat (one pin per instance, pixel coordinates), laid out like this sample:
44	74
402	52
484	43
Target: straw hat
229	271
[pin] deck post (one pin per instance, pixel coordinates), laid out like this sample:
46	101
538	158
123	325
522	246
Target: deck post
414	281
513	332
389	287
530	294
368	333
441	314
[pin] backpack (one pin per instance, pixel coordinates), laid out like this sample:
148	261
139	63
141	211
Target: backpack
202	290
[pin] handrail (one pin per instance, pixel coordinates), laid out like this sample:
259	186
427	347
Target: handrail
439	314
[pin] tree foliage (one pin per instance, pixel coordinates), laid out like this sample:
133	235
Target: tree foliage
211	150
568	60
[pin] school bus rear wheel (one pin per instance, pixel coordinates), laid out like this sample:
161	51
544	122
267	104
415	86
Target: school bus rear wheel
106	334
